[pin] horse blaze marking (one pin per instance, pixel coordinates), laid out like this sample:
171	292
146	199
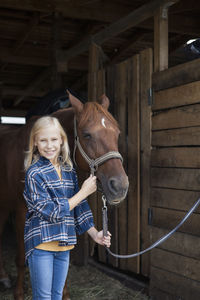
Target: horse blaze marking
103	122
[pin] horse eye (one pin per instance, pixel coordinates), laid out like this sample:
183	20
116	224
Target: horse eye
87	135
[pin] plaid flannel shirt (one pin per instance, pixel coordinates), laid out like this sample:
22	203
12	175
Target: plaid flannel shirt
48	217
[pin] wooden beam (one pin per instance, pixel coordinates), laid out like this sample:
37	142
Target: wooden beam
78	63
13	112
131	20
71	9
19	92
8	57
161	39
134	18
29	28
33	22
177	24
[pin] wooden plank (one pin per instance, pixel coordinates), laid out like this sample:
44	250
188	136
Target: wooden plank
177	264
161	39
121	117
94	57
185	116
176	76
177	96
33	22
100	89
73	9
133	108
168	219
185	157
79	63
176	137
145	85
96	87
179	243
113	83
157	294
177	286
174	199
176	178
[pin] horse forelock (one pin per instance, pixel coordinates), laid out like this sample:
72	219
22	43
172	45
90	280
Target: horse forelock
92	111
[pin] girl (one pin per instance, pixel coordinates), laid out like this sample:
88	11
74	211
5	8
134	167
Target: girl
57	209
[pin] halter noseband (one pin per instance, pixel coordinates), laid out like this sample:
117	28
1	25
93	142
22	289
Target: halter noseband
93	163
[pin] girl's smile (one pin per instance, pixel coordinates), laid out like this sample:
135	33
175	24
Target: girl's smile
48	142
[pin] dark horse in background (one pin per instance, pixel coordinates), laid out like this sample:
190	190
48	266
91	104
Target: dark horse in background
97	137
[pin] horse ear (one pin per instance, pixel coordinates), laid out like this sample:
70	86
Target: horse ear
75	102
105	102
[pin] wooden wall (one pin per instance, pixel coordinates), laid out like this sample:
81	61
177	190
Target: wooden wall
122	84
175	182
160	143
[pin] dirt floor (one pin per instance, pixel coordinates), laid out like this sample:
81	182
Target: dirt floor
84	283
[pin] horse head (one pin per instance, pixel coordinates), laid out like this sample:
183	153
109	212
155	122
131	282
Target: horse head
98	133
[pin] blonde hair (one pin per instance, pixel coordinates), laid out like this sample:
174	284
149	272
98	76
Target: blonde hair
32	155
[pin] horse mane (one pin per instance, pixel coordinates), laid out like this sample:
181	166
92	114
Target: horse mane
92	110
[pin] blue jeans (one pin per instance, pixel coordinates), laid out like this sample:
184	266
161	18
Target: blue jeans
48	272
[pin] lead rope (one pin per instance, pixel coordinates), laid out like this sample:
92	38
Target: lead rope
158	242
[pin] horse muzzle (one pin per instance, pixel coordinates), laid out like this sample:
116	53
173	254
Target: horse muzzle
114	188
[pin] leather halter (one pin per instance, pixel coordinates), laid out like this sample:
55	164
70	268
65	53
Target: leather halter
93	163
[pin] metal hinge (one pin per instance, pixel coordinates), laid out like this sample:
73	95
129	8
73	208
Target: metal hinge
150	216
150	97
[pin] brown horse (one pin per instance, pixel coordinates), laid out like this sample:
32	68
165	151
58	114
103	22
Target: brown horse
98	133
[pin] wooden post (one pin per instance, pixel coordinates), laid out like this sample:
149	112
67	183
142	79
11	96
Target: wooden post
161	39
94	66
145	101
96	87
133	214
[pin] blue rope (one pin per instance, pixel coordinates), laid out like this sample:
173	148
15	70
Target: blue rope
162	239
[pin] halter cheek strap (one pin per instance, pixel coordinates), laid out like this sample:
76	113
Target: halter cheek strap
93	163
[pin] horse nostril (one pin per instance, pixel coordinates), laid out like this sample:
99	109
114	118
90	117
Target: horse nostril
113	185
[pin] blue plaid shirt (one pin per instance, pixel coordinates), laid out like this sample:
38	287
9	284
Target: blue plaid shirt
48	217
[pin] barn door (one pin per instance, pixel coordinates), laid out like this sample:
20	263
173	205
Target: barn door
124	222
128	223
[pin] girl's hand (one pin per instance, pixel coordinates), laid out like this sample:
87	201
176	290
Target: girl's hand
89	186
103	240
